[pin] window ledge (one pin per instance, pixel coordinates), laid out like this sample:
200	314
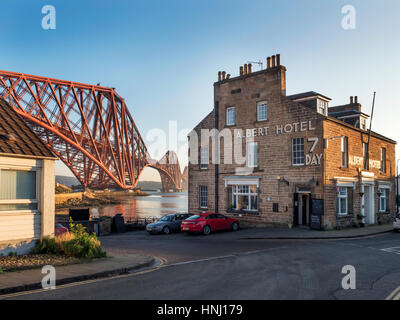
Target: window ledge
344	216
19	212
243	211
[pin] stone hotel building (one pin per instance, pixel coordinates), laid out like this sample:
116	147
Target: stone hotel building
303	162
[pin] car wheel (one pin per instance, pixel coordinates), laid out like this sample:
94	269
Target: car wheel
166	230
235	226
206	230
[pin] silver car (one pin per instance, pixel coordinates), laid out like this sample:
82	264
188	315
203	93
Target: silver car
168	223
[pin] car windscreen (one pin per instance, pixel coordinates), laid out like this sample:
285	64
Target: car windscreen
167	218
195	217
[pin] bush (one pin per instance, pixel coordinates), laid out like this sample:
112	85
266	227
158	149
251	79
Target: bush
77	243
46	246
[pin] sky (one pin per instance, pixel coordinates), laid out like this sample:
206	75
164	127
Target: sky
163	56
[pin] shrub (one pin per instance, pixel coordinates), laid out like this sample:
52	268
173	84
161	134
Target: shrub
46	246
77	243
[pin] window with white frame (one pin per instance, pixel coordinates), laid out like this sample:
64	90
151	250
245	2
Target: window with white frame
344	200
383	198
365	156
322	107
262	111
230	116
252	154
345	147
245	197
363	124
204	158
383	160
18	190
203	196
298	151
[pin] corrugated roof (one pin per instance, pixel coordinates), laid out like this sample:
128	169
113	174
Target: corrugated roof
16	138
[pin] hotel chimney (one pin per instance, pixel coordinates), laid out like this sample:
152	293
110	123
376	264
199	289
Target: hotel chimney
268	62
278	60
273	61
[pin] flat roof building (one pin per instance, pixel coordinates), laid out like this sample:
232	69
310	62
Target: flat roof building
272	159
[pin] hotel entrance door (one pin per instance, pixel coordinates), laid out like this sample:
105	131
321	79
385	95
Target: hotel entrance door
301	212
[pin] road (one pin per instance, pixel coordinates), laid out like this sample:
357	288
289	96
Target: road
222	266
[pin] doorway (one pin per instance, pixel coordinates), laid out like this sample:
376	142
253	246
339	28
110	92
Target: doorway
369	204
301	212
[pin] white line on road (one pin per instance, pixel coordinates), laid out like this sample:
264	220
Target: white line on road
162	264
395	250
395	295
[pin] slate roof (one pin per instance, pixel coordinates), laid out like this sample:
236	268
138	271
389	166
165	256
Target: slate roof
16	138
306	95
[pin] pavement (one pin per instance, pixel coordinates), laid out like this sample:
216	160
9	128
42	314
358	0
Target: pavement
17	281
306	233
136	250
223	267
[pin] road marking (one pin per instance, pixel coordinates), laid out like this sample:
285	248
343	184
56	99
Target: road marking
395	295
162	261
395	250
162	264
222	257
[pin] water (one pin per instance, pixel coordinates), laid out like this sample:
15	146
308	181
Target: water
156	204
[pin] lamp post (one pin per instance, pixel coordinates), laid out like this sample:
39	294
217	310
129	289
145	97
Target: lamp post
397	185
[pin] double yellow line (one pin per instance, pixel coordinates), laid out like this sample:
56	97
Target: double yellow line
395	295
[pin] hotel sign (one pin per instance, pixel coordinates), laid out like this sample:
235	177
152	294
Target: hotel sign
359	162
311	158
277	130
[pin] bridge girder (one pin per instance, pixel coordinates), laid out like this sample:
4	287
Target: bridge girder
89	127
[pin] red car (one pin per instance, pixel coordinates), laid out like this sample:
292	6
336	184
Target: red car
60	229
207	222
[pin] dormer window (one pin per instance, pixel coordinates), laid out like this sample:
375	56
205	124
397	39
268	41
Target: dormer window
322	107
363	124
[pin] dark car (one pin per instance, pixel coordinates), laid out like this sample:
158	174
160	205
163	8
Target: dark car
207	222
167	224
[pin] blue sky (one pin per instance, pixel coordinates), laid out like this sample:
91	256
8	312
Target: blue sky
163	56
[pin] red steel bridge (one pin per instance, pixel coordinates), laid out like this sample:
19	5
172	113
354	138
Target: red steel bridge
90	128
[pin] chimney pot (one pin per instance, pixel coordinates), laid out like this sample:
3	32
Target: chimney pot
355	99
241	70
219	76
273	61
223	75
246	70
250	67
278	60
351	100
268	62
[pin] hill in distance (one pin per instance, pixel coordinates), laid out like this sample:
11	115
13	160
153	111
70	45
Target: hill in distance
70	181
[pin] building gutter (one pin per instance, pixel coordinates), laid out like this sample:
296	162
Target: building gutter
373	134
26	156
